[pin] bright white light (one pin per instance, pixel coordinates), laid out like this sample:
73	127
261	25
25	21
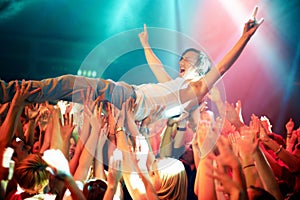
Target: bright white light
89	73
235	10
94	74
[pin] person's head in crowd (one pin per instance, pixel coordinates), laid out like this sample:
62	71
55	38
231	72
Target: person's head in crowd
72	147
193	63
188	156
94	189
169	178
21	150
31	174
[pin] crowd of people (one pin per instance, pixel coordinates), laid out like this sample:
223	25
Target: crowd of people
117	142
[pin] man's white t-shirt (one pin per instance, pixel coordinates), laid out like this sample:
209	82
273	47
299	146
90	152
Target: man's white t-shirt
166	95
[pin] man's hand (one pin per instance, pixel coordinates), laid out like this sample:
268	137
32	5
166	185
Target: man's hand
144	37
252	25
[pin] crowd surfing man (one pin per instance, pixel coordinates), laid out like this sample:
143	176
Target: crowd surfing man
181	92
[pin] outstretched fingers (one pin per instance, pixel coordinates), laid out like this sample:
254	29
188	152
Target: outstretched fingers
253	21
254	12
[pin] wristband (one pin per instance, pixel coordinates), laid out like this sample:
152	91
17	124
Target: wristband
247	166
181	128
120	129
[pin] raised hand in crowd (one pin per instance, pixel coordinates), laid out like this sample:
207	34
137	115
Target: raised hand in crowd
114	174
9	125
204	186
247	145
88	103
292	162
154	63
215	96
265	172
97	121
59	167
233	187
291	135
45	125
233	115
67	127
227	158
